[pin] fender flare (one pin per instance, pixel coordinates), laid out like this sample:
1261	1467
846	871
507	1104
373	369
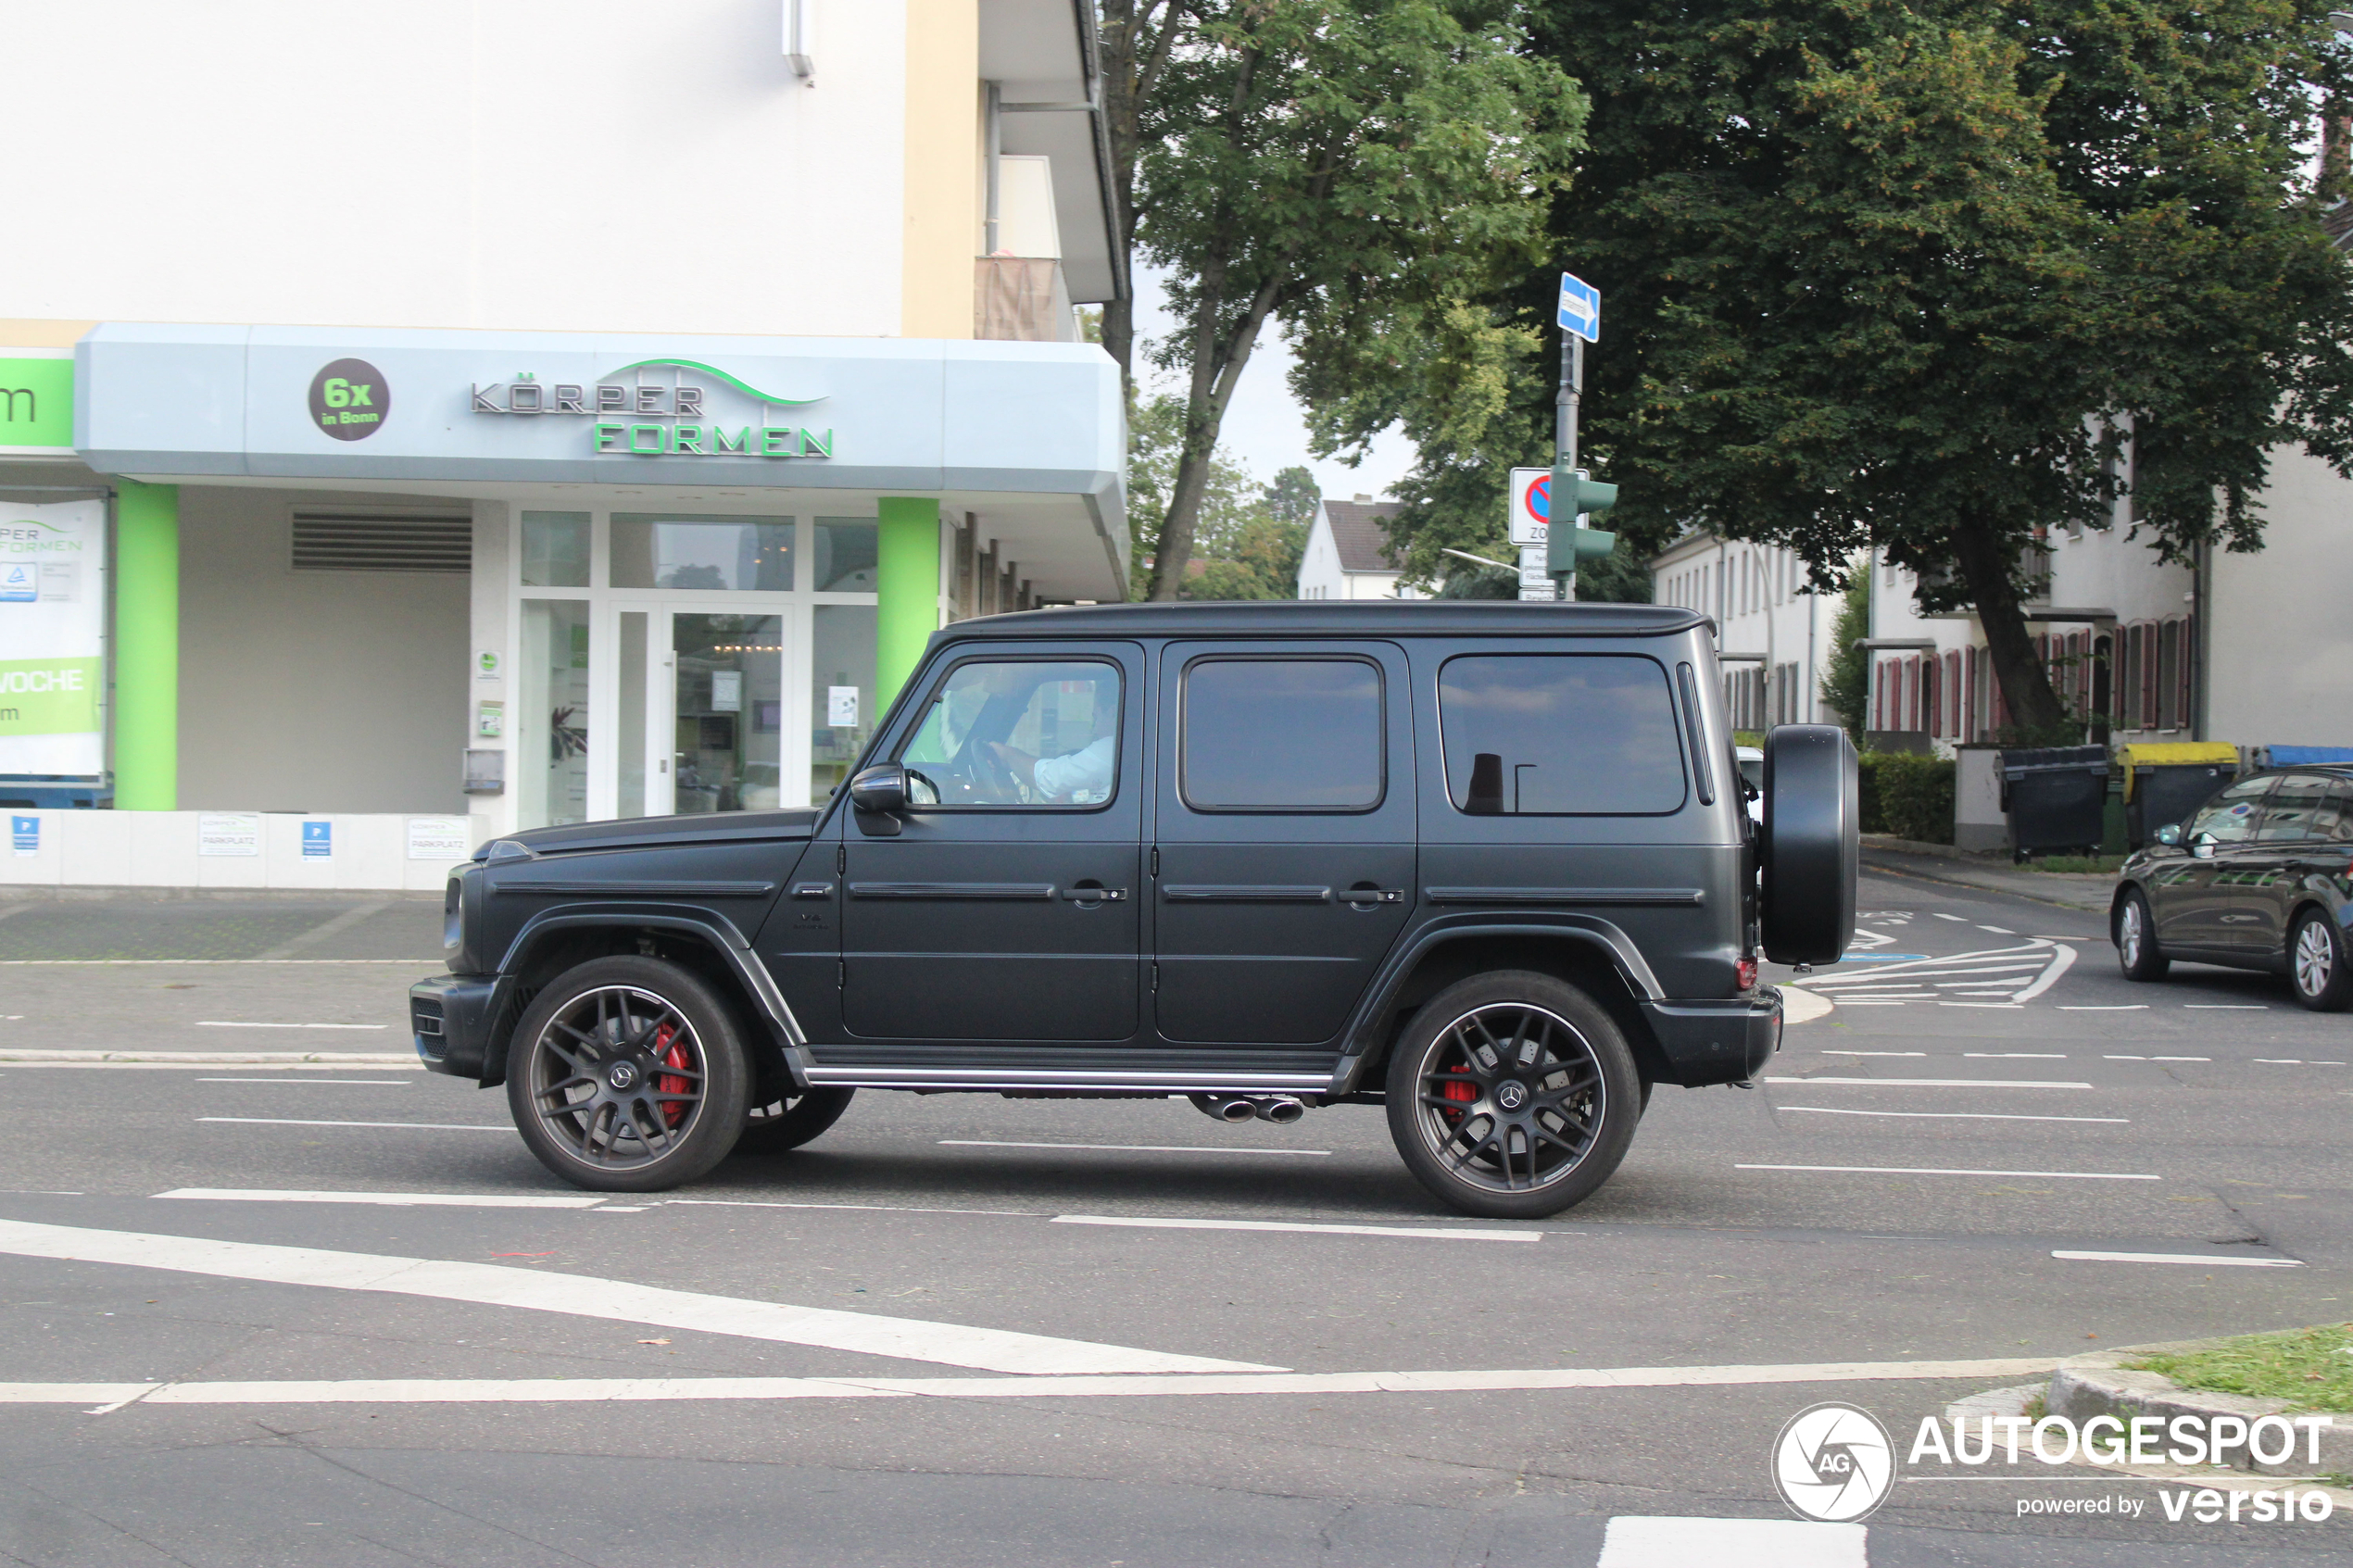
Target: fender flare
715	930
1590	932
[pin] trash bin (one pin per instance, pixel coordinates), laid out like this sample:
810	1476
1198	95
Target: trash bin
2165	783
2300	755
2056	797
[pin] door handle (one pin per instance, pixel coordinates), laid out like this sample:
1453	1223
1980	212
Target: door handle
1370	896
1095	894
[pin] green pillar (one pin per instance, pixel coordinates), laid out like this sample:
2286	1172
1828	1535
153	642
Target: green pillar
147	647
906	589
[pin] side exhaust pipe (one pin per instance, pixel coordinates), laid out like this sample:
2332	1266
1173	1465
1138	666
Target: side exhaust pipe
1281	1110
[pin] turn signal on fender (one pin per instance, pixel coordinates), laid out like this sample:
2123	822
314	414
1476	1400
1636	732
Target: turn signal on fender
1745	973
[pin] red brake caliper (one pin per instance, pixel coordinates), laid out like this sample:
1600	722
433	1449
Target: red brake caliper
673	1053
1462	1090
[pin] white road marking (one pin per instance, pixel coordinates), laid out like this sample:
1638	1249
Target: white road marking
2012	1006
1956	919
2156	1058
2281	1061
222	1023
879	1208
1874	1053
2226	1006
412	1126
365	1083
2062	959
2199	1258
1635	1541
2103	1007
2319	1064
393	1199
1939	1170
423	1390
1131	1148
1428	1231
211	1059
2028	1056
1861	1002
585	1296
1940	1083
102	963
1950	1115
1998	931
1801	1006
2039	937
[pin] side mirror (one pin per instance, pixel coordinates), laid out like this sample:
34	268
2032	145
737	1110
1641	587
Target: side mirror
879	794
2169	834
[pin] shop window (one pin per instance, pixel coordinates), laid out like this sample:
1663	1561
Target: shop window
695	552
1559	733
728	709
845	554
551	758
1282	734
841	694
555	549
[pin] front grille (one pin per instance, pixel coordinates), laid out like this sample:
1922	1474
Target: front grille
382	542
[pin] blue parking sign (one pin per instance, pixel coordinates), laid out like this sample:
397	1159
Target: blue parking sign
25	831
318	840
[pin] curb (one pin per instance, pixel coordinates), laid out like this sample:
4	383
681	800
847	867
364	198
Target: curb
2047	888
2084	1386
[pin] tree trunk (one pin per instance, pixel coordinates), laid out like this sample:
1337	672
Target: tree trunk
1174	548
1988	568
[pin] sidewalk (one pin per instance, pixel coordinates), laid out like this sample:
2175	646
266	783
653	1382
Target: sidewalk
2069	890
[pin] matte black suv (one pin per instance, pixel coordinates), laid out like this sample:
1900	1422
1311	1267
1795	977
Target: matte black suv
2259	877
1485	863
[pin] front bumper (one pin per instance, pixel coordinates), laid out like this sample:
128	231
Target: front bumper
1717	1042
451	1017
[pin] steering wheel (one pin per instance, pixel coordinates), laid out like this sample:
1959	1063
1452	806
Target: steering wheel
991	780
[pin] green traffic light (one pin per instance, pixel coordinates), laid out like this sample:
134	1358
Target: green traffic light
1565	548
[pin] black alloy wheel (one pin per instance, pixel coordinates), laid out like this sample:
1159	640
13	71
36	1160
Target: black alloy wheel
785	1124
628	1075
1513	1096
2316	966
2134	931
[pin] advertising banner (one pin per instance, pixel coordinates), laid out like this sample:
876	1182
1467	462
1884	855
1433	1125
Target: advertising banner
53	616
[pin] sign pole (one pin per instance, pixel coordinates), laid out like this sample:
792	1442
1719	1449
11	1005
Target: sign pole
1565	406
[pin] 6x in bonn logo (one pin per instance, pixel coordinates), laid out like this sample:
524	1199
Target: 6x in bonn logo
1833	1462
350	400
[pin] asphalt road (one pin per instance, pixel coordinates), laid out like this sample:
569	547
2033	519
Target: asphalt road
1266	1345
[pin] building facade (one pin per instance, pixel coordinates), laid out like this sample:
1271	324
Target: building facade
478	418
1773	628
1347	556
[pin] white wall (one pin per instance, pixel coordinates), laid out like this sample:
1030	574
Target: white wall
167	849
541	164
2281	668
1319	573
313	691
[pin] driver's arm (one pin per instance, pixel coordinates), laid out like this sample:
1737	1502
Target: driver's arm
1023	765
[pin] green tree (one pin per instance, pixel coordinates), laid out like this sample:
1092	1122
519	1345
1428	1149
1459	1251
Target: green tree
1846	678
1332	164
1934	277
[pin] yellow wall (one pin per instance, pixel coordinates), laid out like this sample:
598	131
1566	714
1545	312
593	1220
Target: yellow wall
35	334
943	210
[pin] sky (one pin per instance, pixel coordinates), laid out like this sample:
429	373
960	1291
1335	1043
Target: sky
1266	430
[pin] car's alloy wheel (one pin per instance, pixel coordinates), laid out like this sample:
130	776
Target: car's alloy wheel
628	1076
2316	964
1513	1097
2136	949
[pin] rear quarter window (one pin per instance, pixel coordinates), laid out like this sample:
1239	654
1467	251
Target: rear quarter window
1559	735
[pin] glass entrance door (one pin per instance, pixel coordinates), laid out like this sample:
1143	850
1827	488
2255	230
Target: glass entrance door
703	721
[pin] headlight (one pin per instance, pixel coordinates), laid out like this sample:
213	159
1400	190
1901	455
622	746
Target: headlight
461	914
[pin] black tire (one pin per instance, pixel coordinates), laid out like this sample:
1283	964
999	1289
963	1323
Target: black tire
2133	930
1809	848
785	1124
2316	970
1484	1041
627	1075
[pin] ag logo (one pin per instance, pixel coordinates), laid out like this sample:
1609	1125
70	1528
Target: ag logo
1833	1462
350	400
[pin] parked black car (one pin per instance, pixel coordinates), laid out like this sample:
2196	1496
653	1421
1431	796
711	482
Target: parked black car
2259	877
1486	864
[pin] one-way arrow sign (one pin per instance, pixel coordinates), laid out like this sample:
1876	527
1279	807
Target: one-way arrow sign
1580	310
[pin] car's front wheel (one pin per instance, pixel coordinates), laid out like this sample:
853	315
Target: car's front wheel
1513	1096
2136	950
2316	963
627	1075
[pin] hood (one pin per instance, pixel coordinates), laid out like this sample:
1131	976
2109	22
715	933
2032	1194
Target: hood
724	827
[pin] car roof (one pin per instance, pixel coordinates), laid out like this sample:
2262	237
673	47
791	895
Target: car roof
1350	618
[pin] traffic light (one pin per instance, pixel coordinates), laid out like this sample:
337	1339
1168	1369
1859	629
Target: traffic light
1567	547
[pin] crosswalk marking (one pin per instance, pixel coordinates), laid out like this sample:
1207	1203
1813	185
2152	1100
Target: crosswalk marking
1634	1542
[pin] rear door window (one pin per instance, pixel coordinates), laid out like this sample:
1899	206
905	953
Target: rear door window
1281	735
1559	735
2295	810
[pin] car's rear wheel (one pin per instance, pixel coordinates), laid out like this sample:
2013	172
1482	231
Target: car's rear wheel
787	1123
627	1075
1513	1096
2136	950
2316	965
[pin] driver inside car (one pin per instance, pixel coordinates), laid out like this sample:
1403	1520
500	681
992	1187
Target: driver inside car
1079	778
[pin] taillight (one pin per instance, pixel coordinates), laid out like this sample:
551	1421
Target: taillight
1745	973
